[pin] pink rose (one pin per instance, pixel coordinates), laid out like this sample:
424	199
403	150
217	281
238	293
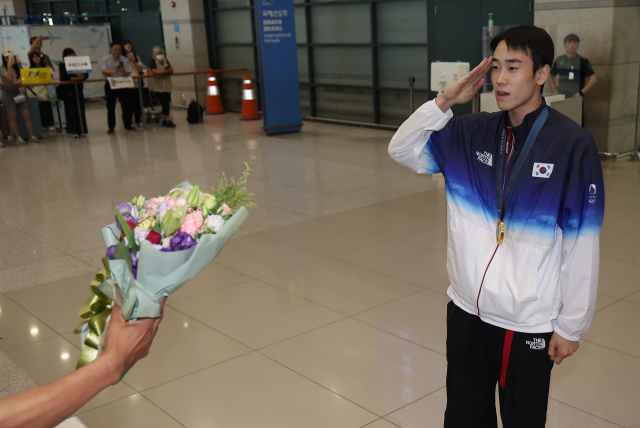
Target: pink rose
192	223
225	210
154	202
176	202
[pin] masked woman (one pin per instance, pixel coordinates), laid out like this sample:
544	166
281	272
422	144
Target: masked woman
161	85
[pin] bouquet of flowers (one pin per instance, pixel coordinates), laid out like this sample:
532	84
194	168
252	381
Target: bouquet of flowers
154	247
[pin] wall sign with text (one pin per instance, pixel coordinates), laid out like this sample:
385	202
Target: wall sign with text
278	63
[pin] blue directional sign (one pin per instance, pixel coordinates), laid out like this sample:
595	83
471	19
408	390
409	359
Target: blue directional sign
278	62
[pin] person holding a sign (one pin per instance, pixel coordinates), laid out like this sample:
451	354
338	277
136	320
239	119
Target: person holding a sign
76	120
41	93
116	65
13	98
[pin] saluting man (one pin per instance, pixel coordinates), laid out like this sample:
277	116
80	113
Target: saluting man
525	203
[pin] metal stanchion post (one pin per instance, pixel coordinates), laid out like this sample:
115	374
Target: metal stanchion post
144	116
195	86
412	80
636	156
80	121
475	103
12	138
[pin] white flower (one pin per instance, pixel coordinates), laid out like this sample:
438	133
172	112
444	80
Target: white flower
214	222
141	234
166	243
161	210
135	212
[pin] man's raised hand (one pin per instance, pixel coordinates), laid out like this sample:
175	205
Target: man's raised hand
463	90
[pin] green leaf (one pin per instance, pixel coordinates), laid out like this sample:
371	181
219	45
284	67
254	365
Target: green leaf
194	196
234	193
158	228
127	232
122	253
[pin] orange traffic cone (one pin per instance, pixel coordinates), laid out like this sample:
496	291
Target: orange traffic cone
249	104
214	102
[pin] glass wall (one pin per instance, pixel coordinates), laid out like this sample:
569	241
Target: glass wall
86	9
355	57
124	17
137	20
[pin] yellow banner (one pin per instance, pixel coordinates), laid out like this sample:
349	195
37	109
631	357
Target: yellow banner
35	75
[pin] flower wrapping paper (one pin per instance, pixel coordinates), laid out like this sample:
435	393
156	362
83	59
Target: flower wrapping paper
159	273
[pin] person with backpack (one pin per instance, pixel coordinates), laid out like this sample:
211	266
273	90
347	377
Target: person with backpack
160	85
525	205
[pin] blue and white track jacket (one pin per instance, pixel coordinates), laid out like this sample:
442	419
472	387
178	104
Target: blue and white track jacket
544	277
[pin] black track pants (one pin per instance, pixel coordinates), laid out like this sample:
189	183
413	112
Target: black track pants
479	355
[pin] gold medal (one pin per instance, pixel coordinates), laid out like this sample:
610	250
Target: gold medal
500	232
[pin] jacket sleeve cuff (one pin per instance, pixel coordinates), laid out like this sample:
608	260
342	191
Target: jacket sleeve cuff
565	335
443	118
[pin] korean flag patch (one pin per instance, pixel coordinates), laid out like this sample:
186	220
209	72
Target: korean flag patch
542	170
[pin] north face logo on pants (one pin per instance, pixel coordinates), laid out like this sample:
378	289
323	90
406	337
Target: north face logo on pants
536	343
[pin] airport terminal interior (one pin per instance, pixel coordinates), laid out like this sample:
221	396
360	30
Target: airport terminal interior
328	307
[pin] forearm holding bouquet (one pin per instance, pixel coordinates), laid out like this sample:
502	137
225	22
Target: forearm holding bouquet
156	246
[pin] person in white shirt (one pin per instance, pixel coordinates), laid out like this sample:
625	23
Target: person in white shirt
116	65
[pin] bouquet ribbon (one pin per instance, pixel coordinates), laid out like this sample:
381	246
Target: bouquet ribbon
95	313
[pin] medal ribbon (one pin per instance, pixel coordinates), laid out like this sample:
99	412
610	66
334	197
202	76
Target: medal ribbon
504	197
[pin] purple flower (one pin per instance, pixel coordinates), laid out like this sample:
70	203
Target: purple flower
124	208
134	271
134	259
126	217
182	241
110	251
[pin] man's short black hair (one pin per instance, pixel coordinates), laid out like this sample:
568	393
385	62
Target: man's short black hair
530	40
571	37
114	44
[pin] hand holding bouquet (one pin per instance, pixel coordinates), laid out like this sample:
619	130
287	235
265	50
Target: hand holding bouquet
154	247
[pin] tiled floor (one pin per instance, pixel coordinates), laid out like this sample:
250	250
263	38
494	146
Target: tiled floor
326	310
